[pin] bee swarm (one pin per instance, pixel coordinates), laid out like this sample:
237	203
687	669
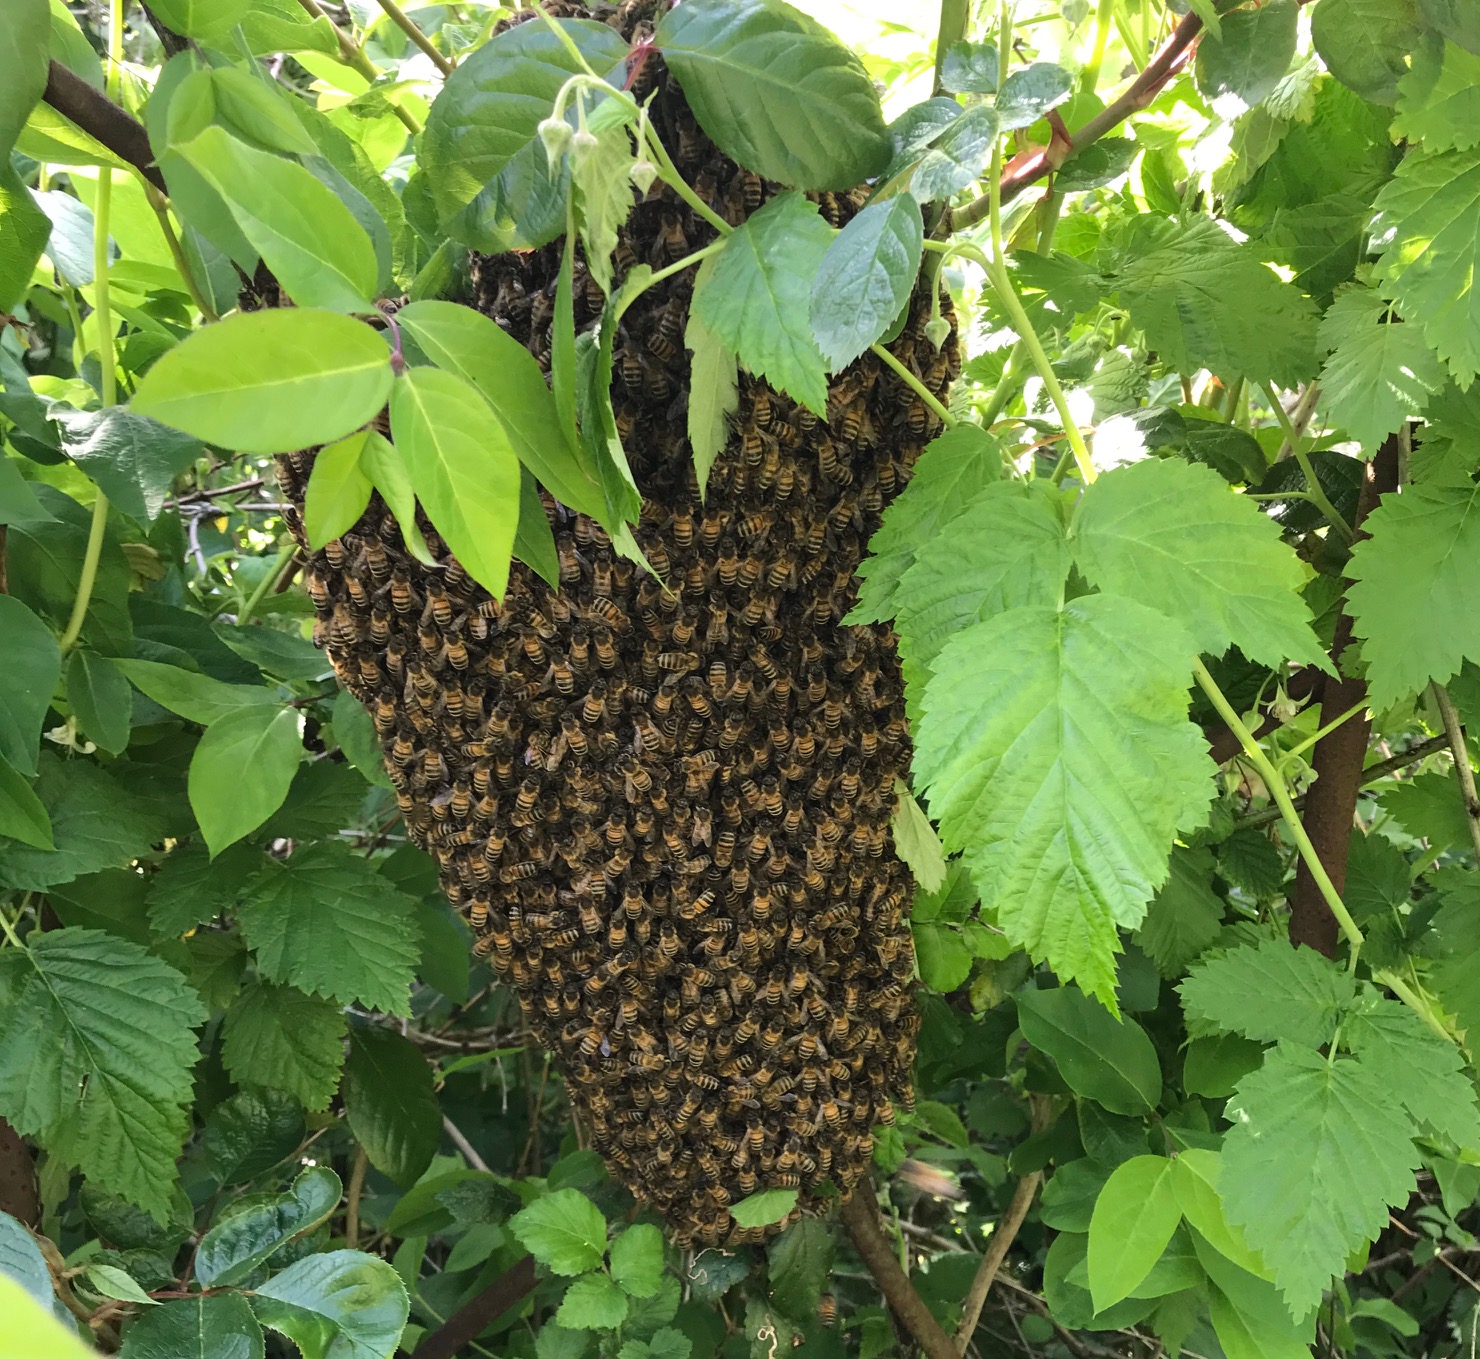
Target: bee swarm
666	812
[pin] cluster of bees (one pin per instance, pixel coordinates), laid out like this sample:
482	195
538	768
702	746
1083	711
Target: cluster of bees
664	803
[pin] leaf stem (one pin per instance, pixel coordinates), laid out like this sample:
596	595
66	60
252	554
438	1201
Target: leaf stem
1325	731
914	383
1415	1001
269	579
352	54
1455	733
1281	794
670	175
1316	490
160	204
954	17
9	930
678	266
407	25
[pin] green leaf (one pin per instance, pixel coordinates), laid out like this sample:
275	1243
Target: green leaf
338	491
217	1327
1205	302
1249	1319
1439	98
970	68
1423	225
604	197
714	387
209	20
1185	916
1379	374
564	1231
390	1103
95	824
25	31
1068	1200
277	1036
270	381
756	299
384	464
1254	53
1423	1071
592	1303
916	842
310	240
240	772
776	92
22	1261
764	1208
798	1265
637	1260
1248	860
100	698
1365	43
941	954
1108	1060
197	697
1134	1218
24	230
1428	807
866	278
463	468
1196	1178
342	1304
951	470
1029	92
1318	1153
1214	1066
328	923
473	347
255	1227
33	666
253	1131
134	460
1177	533
1057	757
96	1052
355	732
490	106
956	157
1301	994
1005	549
22	814
1410	604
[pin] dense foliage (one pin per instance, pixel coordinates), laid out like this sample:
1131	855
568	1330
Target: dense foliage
1183	600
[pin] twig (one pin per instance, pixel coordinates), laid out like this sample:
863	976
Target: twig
352	1198
353	56
858	1216
1455	734
997	1248
455	1135
476	1315
403	21
1300	417
101	118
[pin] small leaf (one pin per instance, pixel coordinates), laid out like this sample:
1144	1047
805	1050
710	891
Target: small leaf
866	277
197	697
1028	93
764	1208
592	1303
134	460
22	814
100	698
957	156
604	198
1365	43
776	91
564	1231
463	468
1101	1058
757	298
637	1260
1301	994
383	463
1134	1218
338	491
942	955
916	842
308	238
1254	53
970	68
390	1103
714	390
270	381
798	1265
341	1303
240	772
255	1228
33	665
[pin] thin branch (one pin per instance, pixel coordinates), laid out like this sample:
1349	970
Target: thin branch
859	1217
475	1316
460	1141
1455	734
352	1198
353	56
997	1248
403	21
101	118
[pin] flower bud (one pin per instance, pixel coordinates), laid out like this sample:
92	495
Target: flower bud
936	330
642	173
555	133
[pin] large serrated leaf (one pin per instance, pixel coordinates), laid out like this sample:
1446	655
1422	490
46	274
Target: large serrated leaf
1301	994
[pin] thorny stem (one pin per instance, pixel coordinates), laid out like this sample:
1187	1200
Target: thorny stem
1455	733
915	385
1281	795
404	22
1314	488
353	56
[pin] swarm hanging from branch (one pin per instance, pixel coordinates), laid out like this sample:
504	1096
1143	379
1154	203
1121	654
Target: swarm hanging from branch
664	806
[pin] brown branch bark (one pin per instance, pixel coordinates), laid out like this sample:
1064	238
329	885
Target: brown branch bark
96	114
475	1316
1331	802
859	1217
997	1248
18	1193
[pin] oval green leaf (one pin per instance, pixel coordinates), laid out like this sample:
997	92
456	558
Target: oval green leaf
1104	1059
761	1210
564	1231
390	1103
1134	1218
463	469
776	91
23	815
33	664
338	491
270	381
240	772
256	1226
342	1302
